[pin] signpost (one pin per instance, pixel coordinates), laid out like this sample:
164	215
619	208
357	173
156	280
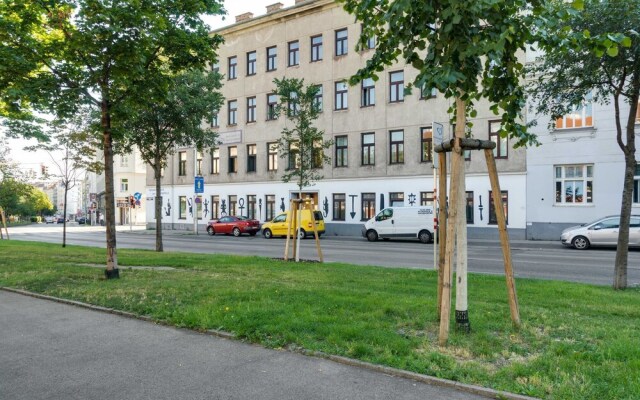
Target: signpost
438	137
198	188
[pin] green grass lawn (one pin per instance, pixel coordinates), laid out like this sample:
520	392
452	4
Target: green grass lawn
577	341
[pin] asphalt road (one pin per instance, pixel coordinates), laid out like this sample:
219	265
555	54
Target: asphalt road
531	259
50	350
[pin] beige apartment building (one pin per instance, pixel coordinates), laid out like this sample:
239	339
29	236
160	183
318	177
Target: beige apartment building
382	136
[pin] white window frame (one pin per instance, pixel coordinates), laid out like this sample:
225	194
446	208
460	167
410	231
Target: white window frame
572	183
578	116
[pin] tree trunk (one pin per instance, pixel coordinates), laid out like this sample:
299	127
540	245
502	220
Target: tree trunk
462	308
64	215
110	217
158	205
629	150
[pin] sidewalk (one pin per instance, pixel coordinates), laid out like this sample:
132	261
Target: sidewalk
50	350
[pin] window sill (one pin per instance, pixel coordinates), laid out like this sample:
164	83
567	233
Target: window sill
315	61
368	106
340	109
396	102
232	124
573	205
367	165
271	70
293	66
248	75
341	166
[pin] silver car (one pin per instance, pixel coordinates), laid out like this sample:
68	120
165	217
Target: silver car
601	232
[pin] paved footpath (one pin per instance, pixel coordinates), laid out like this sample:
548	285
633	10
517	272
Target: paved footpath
50	350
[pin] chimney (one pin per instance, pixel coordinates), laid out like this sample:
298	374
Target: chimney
274	7
244	17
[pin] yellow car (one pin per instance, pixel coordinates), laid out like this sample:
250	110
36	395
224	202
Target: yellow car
278	226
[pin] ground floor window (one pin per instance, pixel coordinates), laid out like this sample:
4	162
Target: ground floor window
368	209
233	204
339	206
270	207
199	207
574	184
251	206
182	207
215	207
396	199
636	184
469	207
492	208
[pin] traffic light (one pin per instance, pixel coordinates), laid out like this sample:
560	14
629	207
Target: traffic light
132	202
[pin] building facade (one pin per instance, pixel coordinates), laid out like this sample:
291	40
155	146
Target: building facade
382	136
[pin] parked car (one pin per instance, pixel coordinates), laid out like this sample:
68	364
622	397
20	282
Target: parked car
60	220
233	225
601	232
279	225
81	220
401	222
49	220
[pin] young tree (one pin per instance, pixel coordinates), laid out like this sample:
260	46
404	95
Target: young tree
571	70
302	143
171	115
61	54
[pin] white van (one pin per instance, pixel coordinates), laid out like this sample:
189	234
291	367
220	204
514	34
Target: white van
401	222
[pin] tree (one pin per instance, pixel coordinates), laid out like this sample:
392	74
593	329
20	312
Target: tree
576	65
58	55
302	143
166	116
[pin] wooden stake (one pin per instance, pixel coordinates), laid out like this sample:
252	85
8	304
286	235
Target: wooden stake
442	222
296	227
504	238
309	205
286	246
3	224
462	308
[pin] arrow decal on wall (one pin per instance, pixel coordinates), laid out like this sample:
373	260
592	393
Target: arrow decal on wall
353	205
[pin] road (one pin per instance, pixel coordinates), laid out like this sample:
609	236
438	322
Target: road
531	259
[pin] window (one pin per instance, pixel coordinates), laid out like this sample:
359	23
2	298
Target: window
215	121
341	42
233	68
492	208
396	147
199	157
272	103
341	151
124	185
466	153
368	92
215	162
341	100
426	199
580	116
339	206
215	67
396	86
636	185
427	94
502	143
232	112
368	207
270	207
198	207
294	156
317	155
294	53
182	207
469	207
124	161
293	106
368	148
233	159
251	206
574	184
272	58
251	158
233	204
272	156
317	99
215	207
426	144
182	163
251	109
396	199
316	48
251	63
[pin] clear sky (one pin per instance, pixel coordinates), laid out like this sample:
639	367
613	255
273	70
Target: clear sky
29	160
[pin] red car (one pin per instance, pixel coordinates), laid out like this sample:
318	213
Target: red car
235	226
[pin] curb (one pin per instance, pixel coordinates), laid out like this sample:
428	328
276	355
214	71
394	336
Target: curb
431	380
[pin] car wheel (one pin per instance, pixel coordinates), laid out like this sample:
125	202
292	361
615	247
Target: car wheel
211	231
580	242
302	234
236	232
424	236
372	235
267	233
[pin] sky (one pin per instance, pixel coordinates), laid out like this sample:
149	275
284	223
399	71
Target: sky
31	160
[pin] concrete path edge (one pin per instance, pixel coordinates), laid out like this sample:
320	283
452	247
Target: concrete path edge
478	390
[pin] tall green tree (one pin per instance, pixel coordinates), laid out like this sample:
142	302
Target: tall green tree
301	142
167	116
60	54
576	65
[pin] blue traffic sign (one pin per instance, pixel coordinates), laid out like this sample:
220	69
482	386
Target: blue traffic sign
137	195
199	184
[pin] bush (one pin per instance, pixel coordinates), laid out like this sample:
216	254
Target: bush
36	219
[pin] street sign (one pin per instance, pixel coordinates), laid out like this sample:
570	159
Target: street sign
137	195
123	203
199	184
438	138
